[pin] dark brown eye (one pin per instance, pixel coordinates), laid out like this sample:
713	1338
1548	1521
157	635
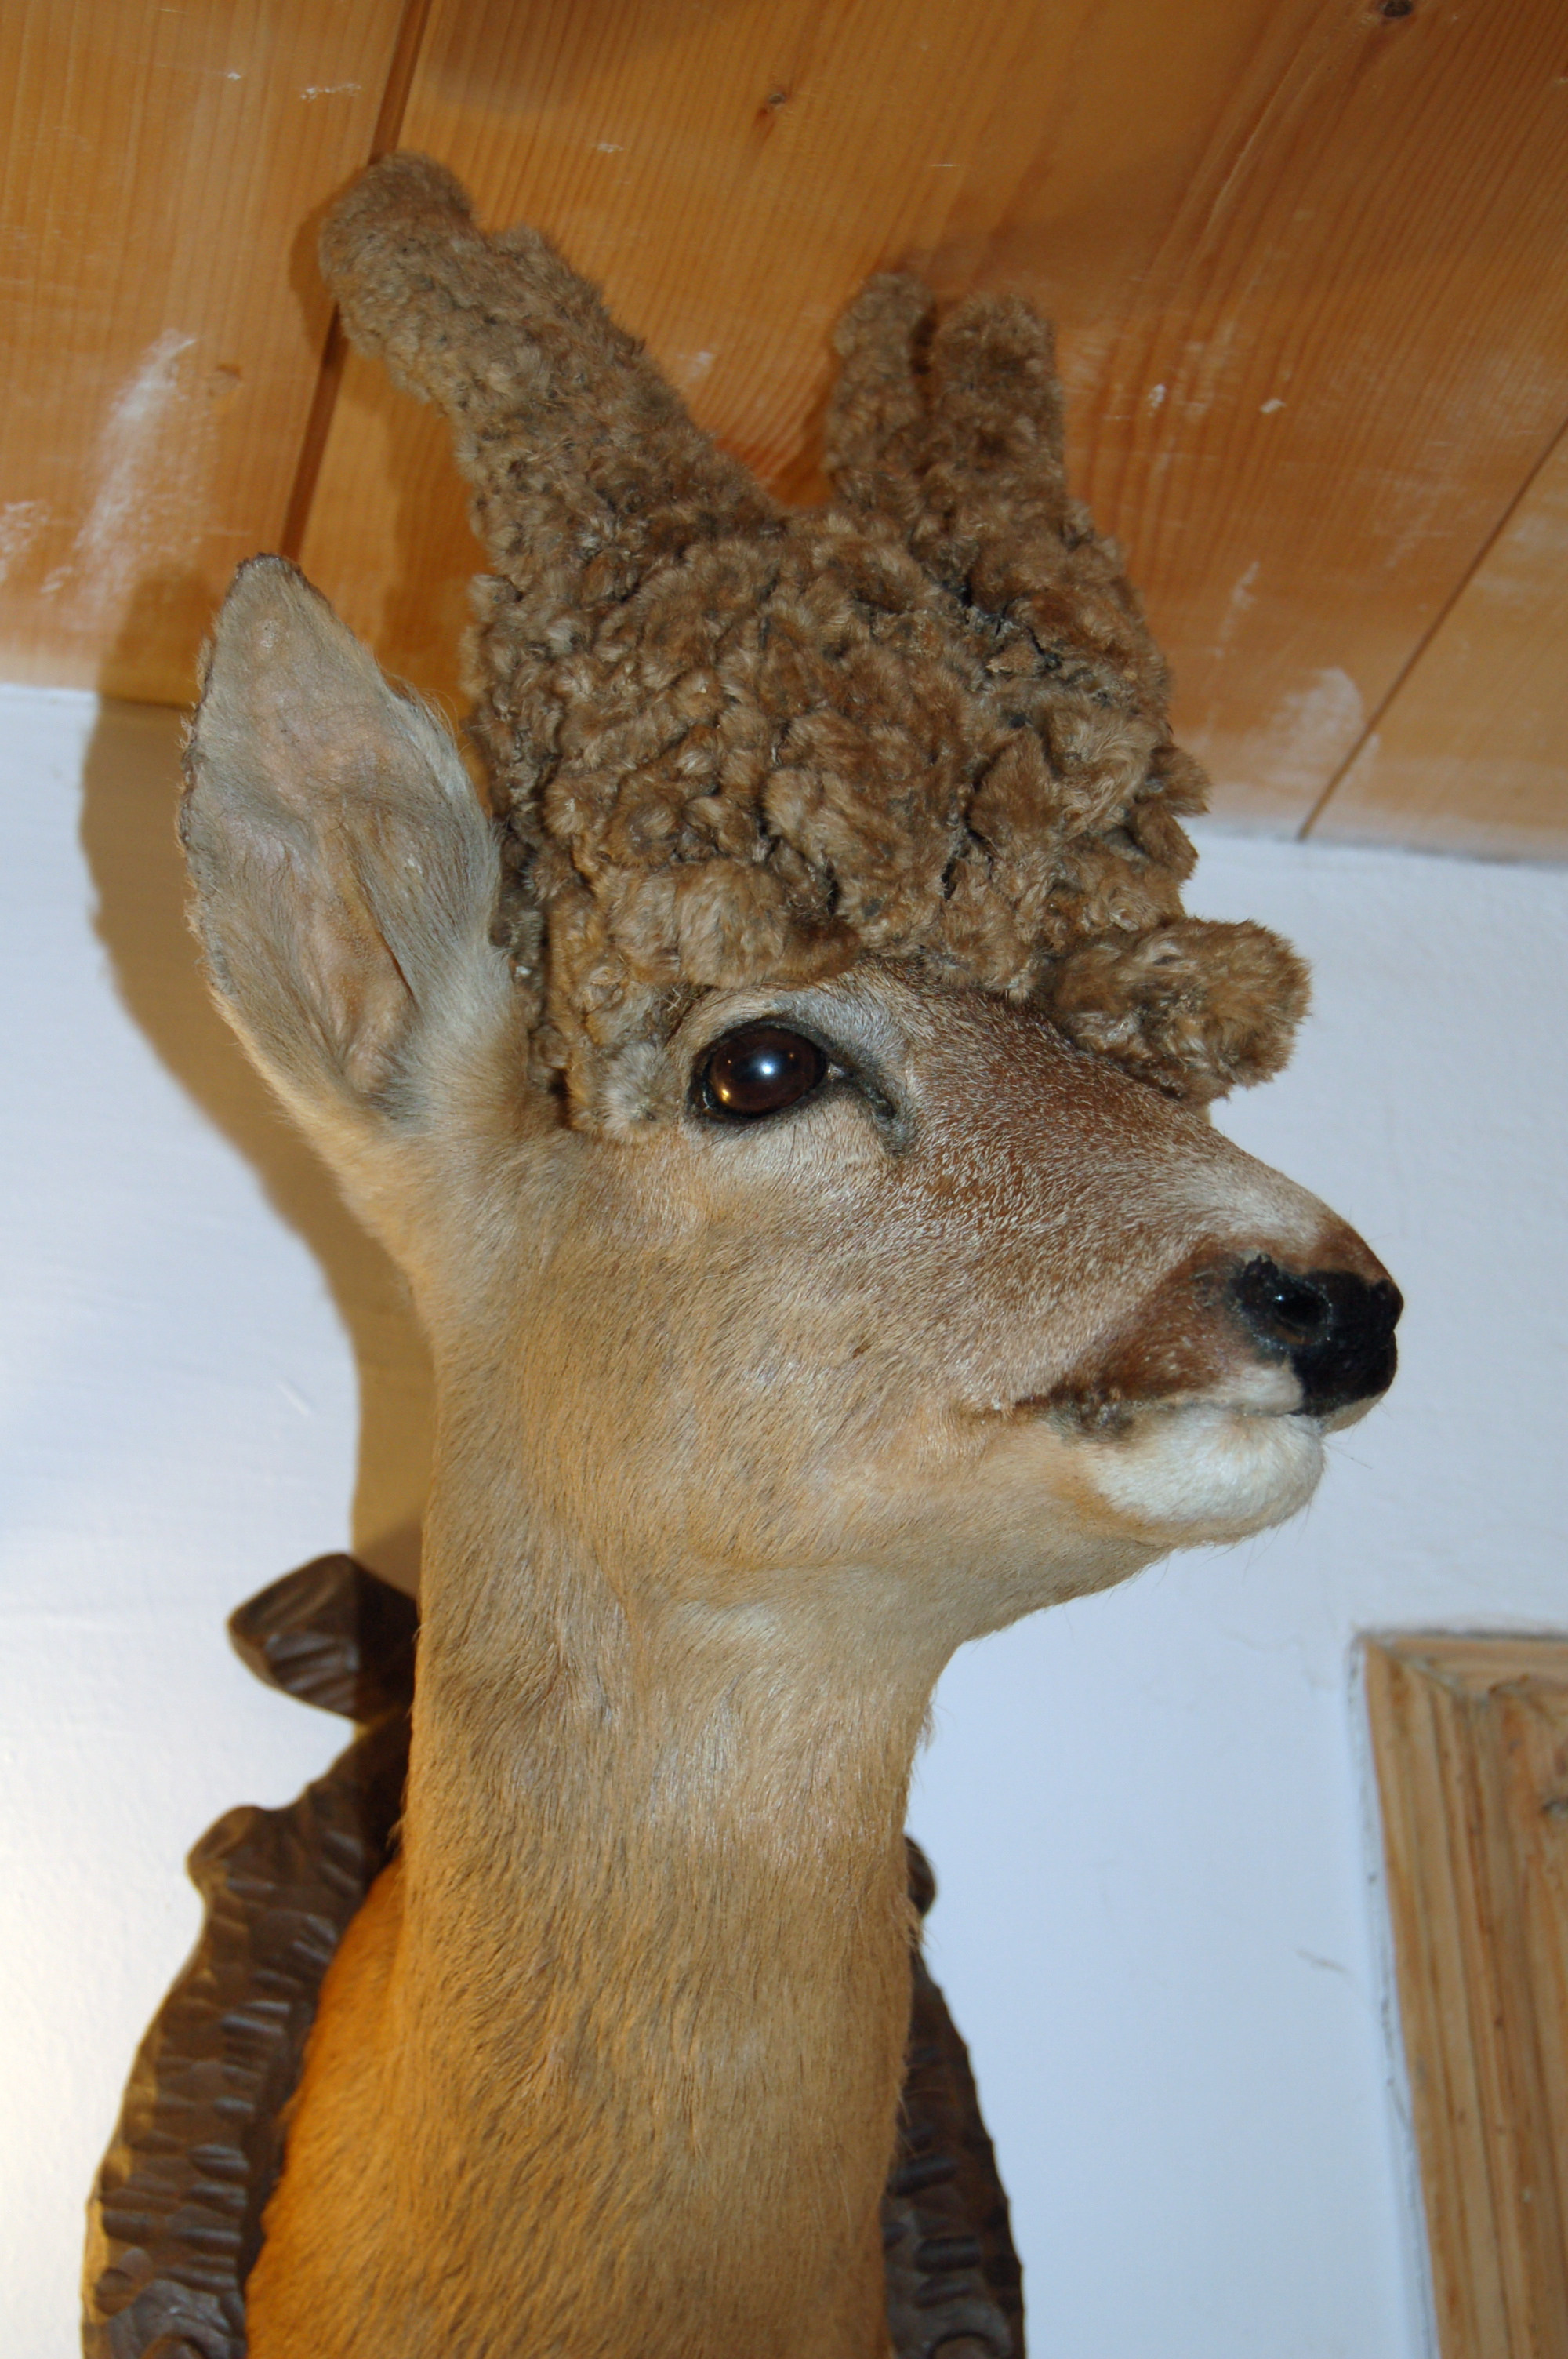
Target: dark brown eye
759	1070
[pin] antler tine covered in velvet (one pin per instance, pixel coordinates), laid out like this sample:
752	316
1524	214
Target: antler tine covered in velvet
952	431
995	476
875	440
730	746
586	468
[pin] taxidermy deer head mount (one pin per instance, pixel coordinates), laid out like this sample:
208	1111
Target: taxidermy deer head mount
787	1107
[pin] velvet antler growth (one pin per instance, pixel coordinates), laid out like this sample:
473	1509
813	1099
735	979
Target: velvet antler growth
731	745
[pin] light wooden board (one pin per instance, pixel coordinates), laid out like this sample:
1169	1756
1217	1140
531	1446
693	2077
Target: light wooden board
728	174
161	320
1471	753
1304	259
1471	1741
1305	256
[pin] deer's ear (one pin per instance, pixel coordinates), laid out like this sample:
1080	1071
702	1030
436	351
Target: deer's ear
345	874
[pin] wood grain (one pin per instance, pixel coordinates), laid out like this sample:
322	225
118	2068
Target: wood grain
728	174
1470	1738
161	317
1471	753
1304	258
1337	370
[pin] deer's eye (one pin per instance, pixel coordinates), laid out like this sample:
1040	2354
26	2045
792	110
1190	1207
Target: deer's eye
757	1070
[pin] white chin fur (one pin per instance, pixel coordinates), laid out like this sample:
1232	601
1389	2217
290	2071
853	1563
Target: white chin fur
1208	1473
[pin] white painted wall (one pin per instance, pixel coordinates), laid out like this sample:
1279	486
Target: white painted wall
1145	1810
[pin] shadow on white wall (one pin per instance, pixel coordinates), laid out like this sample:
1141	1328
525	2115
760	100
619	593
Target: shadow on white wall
130	781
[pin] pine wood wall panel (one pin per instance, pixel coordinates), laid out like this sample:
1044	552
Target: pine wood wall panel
729	173
1347	354
1471	754
1304	257
161	320
1470	1738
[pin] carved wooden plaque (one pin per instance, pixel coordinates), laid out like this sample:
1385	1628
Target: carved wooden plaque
1470	1738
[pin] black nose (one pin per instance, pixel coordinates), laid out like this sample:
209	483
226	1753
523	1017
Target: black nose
1337	1331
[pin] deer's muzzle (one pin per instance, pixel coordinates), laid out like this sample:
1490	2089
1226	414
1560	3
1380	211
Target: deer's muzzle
1233	1331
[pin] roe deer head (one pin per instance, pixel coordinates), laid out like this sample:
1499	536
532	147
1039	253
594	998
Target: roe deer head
788	1112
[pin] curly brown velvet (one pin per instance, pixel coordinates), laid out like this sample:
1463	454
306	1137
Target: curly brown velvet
732	745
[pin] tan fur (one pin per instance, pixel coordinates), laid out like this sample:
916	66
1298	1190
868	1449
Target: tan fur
743	1429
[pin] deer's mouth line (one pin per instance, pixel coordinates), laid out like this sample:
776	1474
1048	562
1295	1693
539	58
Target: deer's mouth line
1107	1414
1240	1337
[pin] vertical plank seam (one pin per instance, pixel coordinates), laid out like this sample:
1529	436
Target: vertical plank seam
1380	709
329	376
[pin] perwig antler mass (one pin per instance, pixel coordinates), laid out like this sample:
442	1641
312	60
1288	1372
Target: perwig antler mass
732	745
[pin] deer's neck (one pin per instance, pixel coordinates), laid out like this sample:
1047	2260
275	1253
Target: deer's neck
653	1963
